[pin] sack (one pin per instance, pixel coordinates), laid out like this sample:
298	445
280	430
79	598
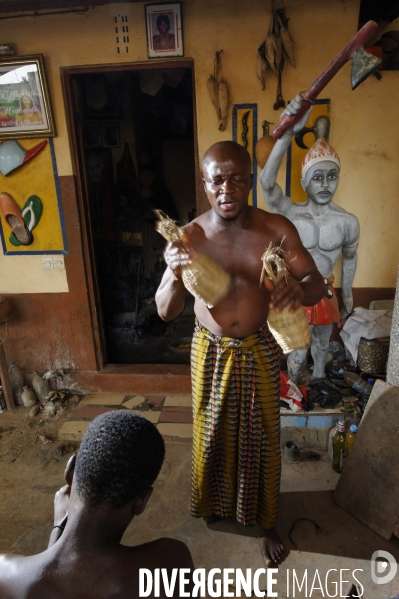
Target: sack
290	329
204	277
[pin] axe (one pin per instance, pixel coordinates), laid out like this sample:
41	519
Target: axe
363	64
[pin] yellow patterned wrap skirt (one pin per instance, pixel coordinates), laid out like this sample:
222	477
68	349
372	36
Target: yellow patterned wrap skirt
236	442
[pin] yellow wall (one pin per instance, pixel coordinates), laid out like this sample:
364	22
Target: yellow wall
364	127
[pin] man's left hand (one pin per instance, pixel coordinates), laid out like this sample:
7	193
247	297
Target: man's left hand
287	292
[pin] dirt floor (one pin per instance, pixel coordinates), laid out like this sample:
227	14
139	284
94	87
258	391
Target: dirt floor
31	472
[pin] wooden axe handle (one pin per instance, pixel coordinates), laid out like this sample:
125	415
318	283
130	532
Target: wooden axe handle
319	84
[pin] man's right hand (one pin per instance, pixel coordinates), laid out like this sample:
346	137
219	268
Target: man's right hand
176	255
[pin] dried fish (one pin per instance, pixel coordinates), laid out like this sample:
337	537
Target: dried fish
213	90
287	42
224	103
261	69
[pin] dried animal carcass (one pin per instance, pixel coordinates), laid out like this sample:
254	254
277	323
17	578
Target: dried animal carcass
219	92
275	52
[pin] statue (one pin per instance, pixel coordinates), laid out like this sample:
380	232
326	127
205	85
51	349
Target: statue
326	230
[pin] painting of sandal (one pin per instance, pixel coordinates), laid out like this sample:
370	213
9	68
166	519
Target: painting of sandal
31	217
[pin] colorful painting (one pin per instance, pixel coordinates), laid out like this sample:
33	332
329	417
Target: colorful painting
24	101
34	188
295	154
245	132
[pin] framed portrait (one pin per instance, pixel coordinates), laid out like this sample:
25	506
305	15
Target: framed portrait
110	135
25	109
164	29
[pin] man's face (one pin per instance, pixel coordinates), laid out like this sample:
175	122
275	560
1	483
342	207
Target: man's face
322	181
227	182
163	27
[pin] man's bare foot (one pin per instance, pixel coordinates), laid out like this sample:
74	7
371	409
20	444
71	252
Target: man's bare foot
212	519
270	545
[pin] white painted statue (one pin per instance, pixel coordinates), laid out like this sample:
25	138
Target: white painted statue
326	231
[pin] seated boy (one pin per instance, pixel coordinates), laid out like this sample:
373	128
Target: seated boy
108	483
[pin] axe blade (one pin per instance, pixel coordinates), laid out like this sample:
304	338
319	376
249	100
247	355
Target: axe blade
363	65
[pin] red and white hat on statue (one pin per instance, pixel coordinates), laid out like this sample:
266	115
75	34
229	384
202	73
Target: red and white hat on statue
321	150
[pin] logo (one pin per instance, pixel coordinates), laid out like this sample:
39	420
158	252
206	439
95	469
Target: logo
379	567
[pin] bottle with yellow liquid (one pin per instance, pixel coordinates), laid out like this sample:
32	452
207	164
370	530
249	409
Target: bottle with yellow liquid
338	444
350	436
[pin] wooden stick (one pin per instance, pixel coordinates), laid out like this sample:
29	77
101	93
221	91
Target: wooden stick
5	380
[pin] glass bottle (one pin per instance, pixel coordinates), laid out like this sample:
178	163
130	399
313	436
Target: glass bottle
350	436
339	447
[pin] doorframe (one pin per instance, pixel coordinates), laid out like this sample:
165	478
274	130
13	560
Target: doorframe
76	148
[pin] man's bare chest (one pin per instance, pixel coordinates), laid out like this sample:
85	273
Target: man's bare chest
240	256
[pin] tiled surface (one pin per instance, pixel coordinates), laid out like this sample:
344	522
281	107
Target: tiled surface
175	417
172	420
151	416
134	401
173	414
177	400
90	411
176	429
103	399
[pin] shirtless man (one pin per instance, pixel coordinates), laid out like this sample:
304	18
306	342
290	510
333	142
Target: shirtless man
325	229
108	483
235	364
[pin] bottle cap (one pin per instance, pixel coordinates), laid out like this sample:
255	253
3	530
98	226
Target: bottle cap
341	425
371	381
353	428
12	363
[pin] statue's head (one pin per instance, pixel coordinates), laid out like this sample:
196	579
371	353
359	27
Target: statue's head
320	172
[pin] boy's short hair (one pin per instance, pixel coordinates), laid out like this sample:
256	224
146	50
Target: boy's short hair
120	456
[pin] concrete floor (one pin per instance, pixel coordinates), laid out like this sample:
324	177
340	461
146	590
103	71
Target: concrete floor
31	473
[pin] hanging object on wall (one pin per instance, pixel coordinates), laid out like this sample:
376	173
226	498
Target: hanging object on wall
245	128
264	145
13	155
275	52
12	215
31	213
36	206
321	128
219	92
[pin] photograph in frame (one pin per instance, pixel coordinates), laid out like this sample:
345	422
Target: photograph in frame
25	109
164	29
110	135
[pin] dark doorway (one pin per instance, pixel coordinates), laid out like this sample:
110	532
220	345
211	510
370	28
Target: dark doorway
135	151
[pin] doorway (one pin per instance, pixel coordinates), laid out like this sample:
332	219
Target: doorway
134	144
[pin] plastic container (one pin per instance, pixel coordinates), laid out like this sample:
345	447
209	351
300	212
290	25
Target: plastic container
367	392
17	383
29	397
355	381
338	443
41	387
350	436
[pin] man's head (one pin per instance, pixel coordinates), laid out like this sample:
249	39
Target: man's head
227	178
320	172
163	23
119	458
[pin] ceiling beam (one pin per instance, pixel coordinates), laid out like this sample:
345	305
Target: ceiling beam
18	6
